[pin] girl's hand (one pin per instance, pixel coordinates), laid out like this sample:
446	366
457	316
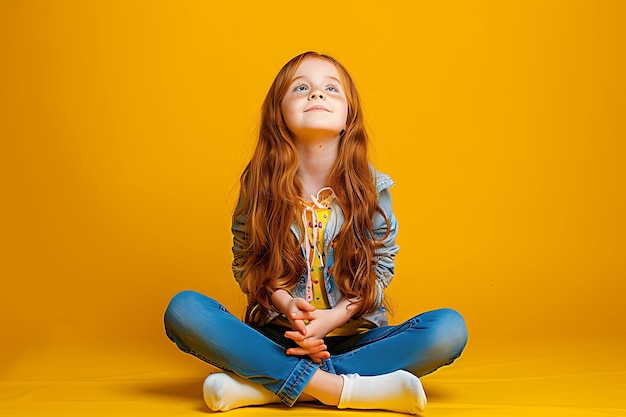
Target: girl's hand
309	343
292	308
297	308
313	348
320	323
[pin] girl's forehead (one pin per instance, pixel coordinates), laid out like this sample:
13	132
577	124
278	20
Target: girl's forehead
318	67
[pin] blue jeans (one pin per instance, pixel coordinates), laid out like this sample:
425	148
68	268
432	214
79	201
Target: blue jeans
202	327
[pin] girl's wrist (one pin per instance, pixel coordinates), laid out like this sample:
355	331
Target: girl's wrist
281	299
343	311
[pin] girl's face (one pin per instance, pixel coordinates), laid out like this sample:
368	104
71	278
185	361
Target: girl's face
315	104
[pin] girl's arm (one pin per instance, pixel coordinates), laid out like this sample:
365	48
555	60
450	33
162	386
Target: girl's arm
238	230
385	253
385	227
292	308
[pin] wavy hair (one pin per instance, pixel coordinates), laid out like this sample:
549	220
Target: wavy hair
269	201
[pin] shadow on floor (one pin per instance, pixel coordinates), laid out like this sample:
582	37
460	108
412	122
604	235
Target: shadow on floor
179	388
437	392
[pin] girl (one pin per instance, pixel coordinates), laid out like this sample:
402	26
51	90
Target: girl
314	248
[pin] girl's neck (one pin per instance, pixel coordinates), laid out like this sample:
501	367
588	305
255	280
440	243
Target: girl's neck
316	160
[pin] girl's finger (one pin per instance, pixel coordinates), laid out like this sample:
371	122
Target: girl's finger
299	327
294	335
317	351
300	315
303	305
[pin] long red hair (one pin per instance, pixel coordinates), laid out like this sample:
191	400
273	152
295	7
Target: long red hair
269	198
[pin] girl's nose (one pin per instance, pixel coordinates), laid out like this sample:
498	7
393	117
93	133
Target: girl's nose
317	94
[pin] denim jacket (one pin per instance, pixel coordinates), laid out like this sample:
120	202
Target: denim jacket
383	255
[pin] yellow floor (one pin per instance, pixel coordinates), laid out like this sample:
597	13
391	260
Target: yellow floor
559	378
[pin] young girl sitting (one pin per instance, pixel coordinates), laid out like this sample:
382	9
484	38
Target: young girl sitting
314	248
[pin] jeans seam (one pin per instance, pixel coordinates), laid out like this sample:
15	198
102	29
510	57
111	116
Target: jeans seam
298	378
194	353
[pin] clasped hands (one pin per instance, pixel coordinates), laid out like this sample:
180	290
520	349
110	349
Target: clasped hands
310	326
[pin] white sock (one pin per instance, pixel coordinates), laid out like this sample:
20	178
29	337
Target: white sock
399	391
224	391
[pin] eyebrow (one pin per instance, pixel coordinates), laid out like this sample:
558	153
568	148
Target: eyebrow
326	76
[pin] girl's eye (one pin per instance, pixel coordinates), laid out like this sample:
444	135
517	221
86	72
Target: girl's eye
301	88
332	89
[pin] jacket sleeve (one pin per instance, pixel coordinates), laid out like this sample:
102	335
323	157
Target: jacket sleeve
239	238
385	254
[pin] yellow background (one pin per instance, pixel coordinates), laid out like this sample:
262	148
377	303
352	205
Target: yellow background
124	127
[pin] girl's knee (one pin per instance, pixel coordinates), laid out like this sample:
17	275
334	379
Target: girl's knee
452	329
181	301
449	331
184	305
